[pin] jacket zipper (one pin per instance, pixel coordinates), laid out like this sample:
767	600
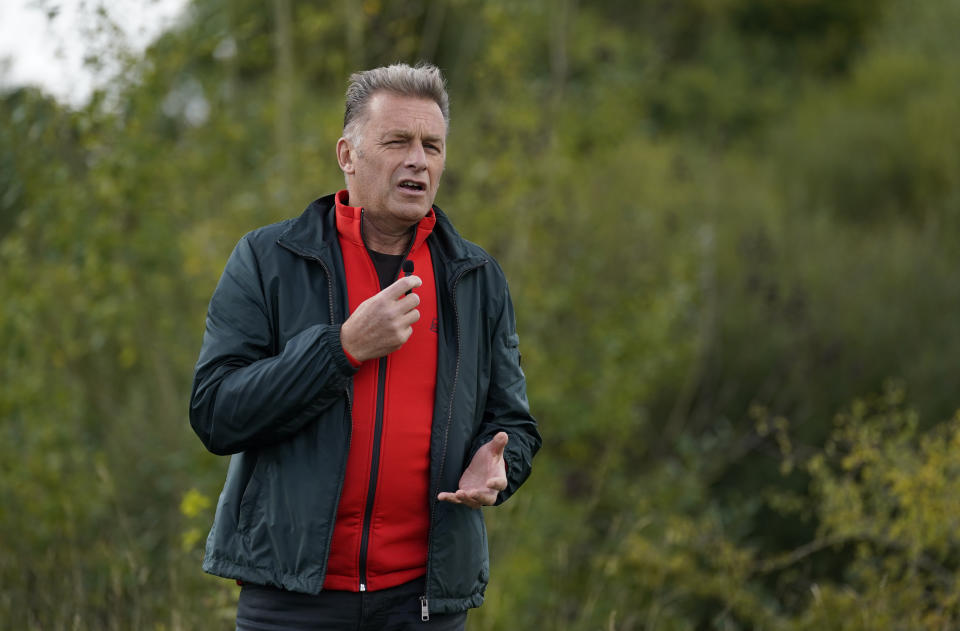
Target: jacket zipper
349	408
424	600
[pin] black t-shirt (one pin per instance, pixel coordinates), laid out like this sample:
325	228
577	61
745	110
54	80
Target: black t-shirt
387	265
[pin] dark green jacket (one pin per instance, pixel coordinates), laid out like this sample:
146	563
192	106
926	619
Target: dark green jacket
272	387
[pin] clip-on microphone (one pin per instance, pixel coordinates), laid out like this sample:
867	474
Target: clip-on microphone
407	268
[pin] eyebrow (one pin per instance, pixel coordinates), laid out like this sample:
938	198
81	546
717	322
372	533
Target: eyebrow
406	135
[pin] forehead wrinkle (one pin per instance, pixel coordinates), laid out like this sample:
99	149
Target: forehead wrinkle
386	117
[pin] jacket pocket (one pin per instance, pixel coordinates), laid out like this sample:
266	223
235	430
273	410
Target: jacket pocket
250	501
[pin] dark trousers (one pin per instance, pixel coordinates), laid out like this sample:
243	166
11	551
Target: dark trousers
271	609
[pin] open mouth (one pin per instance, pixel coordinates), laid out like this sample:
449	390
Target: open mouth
410	185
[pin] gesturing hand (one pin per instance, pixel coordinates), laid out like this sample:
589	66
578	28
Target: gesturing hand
383	322
484	478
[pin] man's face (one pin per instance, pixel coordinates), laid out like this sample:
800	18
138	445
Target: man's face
395	169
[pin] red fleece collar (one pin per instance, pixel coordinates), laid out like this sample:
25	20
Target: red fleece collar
349	219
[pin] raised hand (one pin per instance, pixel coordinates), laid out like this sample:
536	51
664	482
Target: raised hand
484	478
383	322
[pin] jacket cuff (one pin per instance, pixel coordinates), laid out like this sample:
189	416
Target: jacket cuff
344	365
505	493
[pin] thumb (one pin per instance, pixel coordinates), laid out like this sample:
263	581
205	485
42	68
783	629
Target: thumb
498	444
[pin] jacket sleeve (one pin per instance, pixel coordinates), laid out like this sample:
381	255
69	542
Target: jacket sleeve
506	407
244	395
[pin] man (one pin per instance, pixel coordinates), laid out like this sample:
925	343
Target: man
360	363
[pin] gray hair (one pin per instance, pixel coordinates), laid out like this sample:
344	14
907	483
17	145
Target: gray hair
423	80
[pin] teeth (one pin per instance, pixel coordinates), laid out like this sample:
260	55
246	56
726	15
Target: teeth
413	185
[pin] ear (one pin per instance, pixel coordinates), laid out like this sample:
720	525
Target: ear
345	156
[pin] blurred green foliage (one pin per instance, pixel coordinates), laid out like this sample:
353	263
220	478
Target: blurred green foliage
731	230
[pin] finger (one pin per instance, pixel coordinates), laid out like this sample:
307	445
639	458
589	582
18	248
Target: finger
448	497
408	303
407	310
460	497
407	320
473	499
470	499
401	286
480	498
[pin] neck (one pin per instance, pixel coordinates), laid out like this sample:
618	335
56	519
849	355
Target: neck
385	239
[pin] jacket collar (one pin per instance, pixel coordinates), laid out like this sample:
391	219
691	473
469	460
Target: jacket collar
314	235
453	249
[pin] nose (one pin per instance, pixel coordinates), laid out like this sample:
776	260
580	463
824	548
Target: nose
416	157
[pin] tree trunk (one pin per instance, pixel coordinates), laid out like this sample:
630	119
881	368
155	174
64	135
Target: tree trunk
284	78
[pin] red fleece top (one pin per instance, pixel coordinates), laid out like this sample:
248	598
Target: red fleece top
397	541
